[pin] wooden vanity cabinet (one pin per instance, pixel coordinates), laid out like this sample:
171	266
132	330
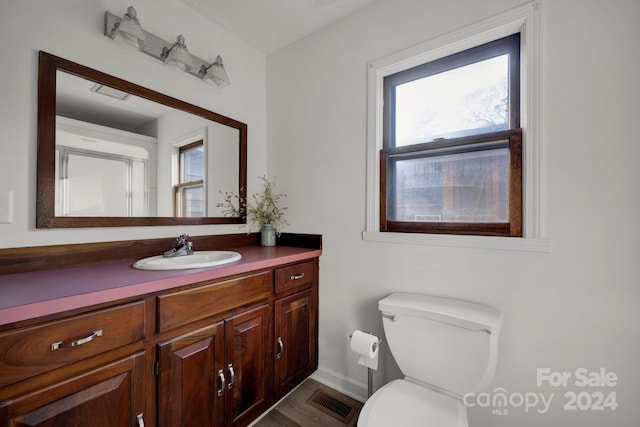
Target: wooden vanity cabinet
191	381
86	369
296	323
215	353
107	396
216	375
248	335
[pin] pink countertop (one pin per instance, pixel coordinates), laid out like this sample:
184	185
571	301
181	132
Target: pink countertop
29	295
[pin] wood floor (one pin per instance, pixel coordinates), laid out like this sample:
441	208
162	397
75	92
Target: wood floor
298	409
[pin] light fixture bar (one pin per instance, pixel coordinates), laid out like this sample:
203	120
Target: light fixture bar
165	51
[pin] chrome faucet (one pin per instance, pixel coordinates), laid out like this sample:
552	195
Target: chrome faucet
183	247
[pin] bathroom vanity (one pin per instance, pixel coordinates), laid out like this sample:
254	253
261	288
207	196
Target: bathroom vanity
108	345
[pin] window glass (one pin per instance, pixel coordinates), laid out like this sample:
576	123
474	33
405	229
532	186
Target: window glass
193	164
139	188
97	183
192	201
468	100
462	187
96	186
189	191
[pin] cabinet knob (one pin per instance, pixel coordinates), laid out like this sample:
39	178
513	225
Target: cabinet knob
140	419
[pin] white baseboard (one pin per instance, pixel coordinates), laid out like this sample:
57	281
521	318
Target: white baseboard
339	382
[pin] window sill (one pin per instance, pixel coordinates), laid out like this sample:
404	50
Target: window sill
455	241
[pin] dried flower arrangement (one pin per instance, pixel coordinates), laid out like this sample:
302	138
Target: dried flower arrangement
263	209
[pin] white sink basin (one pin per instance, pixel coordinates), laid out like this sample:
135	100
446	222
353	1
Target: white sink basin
199	259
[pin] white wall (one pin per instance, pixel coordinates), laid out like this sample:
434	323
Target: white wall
74	30
573	307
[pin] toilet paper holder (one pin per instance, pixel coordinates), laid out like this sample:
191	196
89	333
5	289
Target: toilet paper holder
369	370
370	333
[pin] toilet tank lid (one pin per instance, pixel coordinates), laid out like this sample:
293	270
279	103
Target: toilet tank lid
465	314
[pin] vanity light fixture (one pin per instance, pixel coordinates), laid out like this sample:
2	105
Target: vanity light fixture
178	55
128	30
215	73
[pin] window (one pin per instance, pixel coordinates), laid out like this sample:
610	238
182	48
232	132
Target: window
189	191
525	20
452	145
100	183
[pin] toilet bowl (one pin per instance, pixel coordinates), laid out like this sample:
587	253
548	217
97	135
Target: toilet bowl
445	348
402	403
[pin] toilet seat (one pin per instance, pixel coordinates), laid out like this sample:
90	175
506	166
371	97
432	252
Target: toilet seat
404	403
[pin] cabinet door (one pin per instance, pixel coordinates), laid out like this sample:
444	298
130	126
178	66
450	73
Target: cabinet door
191	379
248	338
109	396
295	341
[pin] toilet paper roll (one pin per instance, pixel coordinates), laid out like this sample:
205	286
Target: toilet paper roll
366	345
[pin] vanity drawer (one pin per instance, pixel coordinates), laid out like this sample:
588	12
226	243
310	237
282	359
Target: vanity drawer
184	307
295	276
27	352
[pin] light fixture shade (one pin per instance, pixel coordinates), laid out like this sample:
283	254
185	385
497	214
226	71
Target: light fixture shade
215	74
178	56
129	30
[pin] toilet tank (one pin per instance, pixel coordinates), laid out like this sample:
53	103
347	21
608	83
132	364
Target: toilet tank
446	343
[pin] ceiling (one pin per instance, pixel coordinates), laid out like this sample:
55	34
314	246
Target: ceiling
272	24
78	98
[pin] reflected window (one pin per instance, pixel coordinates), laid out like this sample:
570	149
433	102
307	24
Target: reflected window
98	183
189	191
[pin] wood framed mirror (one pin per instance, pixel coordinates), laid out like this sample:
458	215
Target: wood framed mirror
112	153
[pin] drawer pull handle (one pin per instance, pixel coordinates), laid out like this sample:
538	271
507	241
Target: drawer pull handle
76	343
222	382
297	276
232	376
140	420
280	348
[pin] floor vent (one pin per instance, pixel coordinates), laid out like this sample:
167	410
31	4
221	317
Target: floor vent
331	405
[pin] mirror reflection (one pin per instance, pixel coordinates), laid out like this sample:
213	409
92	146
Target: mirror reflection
121	155
125	155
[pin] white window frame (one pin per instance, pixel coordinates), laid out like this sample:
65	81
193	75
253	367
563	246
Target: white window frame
524	19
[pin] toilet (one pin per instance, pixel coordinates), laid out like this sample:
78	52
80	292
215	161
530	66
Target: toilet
445	348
